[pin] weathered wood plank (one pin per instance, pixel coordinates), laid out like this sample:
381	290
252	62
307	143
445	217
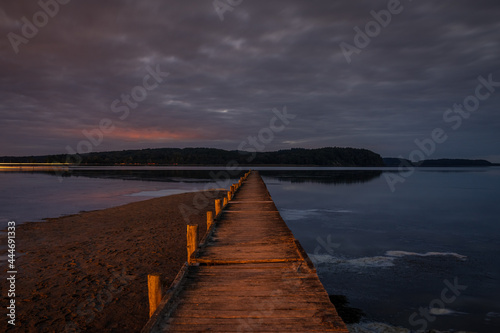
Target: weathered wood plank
188	311
252	304
248	326
255	324
269	321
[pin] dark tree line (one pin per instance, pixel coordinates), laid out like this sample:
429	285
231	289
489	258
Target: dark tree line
444	162
333	156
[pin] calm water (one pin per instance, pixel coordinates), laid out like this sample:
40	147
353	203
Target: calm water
389	252
34	196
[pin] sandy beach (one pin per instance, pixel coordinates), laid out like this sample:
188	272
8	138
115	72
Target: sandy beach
88	272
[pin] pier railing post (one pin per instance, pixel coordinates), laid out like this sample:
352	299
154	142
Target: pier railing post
229	196
154	292
192	241
217	207
224	202
210	219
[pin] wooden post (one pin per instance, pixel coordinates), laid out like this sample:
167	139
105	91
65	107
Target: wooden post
229	196
154	292
192	240
224	202
210	219
217	207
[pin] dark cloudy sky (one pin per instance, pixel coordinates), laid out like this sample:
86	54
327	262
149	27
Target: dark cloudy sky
225	77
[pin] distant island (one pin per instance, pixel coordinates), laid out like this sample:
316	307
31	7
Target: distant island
443	162
330	156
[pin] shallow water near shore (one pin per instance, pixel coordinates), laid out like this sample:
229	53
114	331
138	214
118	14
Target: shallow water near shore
34	196
393	254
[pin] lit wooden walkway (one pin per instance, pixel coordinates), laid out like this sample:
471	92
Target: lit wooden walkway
250	275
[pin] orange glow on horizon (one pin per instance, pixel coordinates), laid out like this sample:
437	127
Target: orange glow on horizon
152	134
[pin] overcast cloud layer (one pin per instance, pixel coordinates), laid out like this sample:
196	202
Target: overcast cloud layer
225	77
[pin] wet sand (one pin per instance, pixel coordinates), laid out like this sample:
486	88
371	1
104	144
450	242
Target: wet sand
88	272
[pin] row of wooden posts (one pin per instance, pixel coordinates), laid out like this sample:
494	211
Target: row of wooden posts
154	280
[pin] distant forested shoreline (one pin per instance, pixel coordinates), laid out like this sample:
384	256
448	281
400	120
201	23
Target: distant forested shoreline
330	156
443	162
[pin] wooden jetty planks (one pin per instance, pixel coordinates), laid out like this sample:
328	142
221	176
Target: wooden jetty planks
250	229
250	276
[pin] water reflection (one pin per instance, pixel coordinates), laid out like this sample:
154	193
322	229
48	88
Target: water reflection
219	174
155	175
323	176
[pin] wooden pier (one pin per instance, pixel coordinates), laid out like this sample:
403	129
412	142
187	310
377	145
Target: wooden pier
248	274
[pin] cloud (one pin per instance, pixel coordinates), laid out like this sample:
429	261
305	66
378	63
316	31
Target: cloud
225	77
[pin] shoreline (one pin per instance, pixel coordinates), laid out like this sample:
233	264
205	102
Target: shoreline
88	271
